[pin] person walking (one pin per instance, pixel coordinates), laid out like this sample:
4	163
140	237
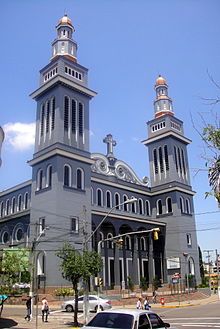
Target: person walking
45	309
139	304
28	305
154	297
147	304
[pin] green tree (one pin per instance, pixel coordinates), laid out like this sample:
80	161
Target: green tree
76	266
156	283
130	283
144	285
15	265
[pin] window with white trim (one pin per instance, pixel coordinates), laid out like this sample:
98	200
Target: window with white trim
189	239
108	199
159	207
169	205
80	179
13	205
67	175
19	203
99	197
25	200
117	201
74	224
148	210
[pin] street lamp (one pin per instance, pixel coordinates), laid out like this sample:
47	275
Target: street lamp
104	218
187	257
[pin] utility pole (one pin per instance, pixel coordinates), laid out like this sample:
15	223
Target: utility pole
208	252
85	248
216	252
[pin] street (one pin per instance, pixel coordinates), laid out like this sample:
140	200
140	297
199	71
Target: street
199	316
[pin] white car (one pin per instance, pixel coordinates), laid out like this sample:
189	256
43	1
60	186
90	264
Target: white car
21	285
126	319
94	302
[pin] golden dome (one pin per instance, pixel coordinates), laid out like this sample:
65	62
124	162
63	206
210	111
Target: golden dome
65	19
160	80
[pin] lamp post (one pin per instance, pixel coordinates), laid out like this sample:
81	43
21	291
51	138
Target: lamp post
110	211
187	256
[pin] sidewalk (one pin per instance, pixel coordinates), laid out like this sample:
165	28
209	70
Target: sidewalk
58	320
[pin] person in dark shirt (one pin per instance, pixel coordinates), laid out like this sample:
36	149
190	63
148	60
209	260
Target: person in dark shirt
28	305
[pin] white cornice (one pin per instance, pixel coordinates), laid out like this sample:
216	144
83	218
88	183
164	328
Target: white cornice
136	190
61	79
15	188
166	134
62	153
146	221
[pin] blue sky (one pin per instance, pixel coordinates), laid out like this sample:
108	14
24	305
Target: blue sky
125	44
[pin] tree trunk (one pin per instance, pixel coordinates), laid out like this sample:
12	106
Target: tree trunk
75	289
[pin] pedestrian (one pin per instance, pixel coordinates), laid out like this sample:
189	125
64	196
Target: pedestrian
154	297
147	304
139	304
45	309
28	305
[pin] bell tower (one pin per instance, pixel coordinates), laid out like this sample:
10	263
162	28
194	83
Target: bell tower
166	141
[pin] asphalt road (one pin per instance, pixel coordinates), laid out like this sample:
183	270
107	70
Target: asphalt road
199	316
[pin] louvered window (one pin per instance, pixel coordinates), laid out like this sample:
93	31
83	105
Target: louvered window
81	119
66	112
73	116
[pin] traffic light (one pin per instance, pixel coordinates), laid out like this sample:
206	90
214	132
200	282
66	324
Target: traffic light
100	282
155	232
120	243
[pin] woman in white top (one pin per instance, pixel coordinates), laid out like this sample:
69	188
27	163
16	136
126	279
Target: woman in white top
45	309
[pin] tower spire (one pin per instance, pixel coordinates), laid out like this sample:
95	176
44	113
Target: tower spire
64	45
163	103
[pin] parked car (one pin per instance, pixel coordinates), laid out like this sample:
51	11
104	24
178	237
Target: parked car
21	285
94	302
126	319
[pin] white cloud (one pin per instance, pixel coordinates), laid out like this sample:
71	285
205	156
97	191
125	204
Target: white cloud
20	136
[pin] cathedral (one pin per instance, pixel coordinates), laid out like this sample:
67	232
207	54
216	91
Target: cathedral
87	198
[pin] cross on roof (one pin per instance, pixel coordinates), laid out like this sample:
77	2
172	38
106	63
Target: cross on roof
110	143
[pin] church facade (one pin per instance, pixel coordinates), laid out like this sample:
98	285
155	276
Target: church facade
87	199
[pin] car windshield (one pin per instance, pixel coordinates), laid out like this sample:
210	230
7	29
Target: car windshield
112	320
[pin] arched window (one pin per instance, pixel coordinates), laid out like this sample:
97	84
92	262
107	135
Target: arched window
53	114
81	119
19	203
92	195
125	205
155	161
169	205
161	159
181	204
66	112
67	175
140	204
108	199
5	237
48	117
19	234
73	116
7	206
80	179
191	266
166	158
99	197
143	243
39	179
101	238
49	176
13	205
42	120
159	207
110	243
128	242
117	201
2	209
41	264
188	206
175	158
133	206
26	200
147	204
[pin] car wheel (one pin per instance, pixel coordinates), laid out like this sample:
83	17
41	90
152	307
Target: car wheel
100	307
69	308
